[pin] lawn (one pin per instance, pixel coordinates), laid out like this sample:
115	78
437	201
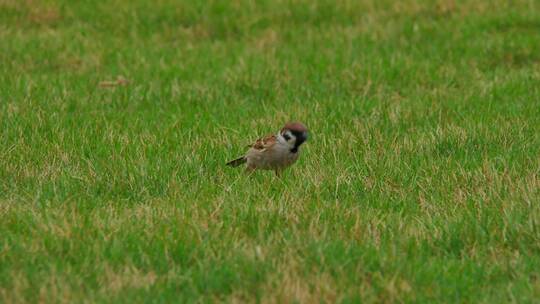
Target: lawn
420	181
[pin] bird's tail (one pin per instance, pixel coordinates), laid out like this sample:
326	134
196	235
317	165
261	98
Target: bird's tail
237	162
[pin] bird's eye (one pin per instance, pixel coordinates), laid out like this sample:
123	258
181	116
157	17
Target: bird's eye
286	136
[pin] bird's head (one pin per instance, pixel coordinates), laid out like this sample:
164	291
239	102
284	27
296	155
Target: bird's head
294	134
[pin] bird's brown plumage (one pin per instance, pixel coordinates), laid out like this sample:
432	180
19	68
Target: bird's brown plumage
265	142
274	152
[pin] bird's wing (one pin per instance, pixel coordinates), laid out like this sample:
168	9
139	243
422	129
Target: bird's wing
264	143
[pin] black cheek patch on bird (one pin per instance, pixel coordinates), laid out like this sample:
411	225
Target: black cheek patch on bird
300	139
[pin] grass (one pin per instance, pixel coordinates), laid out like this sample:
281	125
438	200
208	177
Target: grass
420	182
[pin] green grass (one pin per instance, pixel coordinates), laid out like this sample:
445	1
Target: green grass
420	182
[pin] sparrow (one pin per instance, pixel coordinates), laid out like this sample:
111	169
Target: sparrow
274	152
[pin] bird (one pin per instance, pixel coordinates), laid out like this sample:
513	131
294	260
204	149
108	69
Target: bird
274	152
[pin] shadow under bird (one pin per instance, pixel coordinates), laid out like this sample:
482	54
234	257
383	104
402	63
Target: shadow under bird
274	152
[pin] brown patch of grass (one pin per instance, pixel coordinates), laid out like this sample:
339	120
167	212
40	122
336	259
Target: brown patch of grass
266	40
44	16
195	32
34	12
119	81
16	291
114	281
291	285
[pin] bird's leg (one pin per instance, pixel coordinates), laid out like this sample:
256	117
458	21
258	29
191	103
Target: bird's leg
278	173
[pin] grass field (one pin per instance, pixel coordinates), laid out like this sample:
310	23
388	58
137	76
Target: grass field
420	181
